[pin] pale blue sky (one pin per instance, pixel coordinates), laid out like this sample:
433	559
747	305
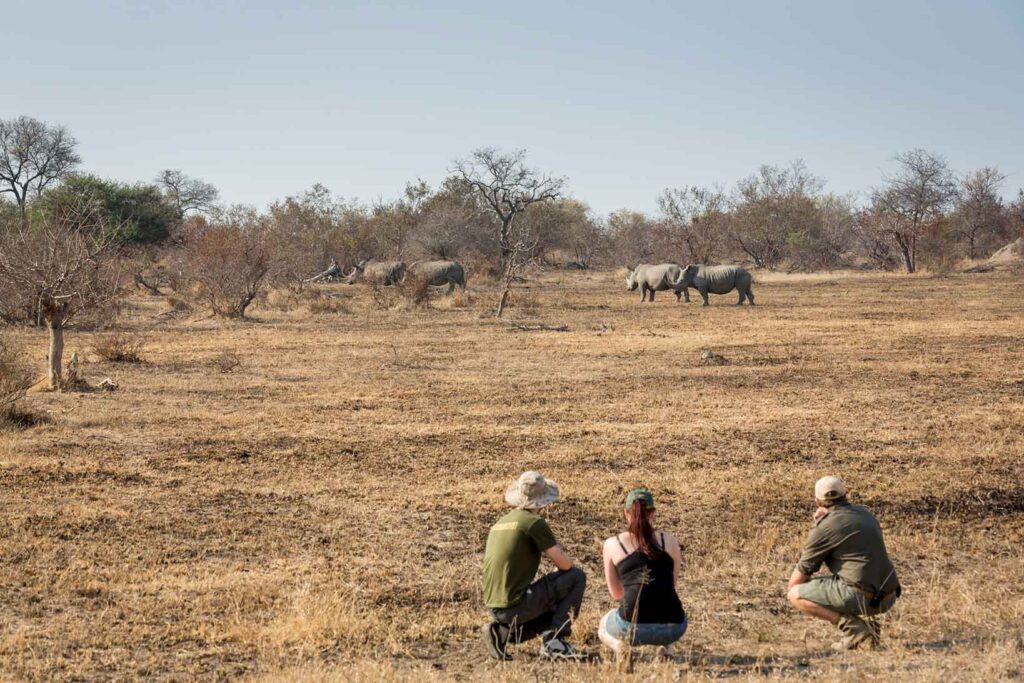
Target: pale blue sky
266	98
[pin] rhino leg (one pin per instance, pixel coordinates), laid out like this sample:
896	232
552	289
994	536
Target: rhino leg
451	287
704	295
652	295
750	295
679	295
686	294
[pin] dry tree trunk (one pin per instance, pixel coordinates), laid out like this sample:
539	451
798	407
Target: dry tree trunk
55	354
503	302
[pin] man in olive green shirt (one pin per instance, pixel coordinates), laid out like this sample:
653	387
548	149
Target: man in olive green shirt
523	608
848	540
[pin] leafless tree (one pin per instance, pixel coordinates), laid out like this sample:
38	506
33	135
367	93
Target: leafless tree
696	219
506	186
33	155
871	239
521	247
771	205
588	240
230	259
452	223
1015	216
186	194
395	222
633	237
61	265
980	217
913	200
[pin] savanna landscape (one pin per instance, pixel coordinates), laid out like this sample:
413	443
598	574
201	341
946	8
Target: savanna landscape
304	306
304	494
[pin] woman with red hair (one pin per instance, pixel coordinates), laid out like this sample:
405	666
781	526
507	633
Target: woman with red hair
642	567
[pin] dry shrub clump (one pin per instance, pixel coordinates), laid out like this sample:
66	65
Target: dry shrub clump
324	304
525	300
461	298
415	289
229	261
479	268
313	300
15	379
119	347
175	304
412	292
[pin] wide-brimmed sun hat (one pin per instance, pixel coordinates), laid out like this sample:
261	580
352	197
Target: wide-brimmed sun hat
531	491
829	488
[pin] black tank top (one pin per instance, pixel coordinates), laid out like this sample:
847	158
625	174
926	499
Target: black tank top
649	596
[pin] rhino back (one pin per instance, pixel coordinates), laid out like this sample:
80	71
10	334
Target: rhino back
384	271
438	272
661	276
722	279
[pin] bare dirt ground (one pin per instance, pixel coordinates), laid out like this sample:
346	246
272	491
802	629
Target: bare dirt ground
319	512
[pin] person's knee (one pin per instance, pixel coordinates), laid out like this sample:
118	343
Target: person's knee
794	596
577	575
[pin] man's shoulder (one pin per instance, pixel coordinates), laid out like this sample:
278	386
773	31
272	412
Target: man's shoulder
860	511
849	515
517	519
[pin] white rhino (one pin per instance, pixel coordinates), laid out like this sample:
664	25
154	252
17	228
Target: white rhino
377	272
656	279
440	273
717	280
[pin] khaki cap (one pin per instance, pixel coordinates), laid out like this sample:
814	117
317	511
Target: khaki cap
829	488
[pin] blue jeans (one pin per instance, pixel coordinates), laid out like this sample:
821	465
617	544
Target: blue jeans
644	634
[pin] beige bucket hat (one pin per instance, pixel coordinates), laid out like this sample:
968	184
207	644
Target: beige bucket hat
531	491
829	488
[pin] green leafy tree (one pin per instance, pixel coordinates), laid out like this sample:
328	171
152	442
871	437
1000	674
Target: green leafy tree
140	212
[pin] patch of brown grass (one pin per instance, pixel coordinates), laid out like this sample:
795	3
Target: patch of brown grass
321	515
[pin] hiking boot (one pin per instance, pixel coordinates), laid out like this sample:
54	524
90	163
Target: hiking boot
556	648
496	639
855	632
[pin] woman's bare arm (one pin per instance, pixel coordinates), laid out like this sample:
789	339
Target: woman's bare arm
672	548
611	573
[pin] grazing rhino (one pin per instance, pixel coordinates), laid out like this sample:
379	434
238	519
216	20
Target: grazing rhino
377	272
656	279
440	273
717	280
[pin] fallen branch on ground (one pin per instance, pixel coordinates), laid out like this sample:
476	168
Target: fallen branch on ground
333	272
518	327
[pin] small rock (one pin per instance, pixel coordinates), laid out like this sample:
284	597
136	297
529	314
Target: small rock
709	357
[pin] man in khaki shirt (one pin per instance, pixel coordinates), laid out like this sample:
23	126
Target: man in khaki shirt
848	540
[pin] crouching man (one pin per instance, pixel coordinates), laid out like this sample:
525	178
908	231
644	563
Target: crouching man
848	540
523	608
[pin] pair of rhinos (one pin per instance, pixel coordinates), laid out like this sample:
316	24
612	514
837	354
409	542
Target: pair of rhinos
436	273
705	279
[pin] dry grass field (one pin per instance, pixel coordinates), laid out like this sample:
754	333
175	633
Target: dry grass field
319	512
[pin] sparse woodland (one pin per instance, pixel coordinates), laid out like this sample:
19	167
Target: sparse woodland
291	477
